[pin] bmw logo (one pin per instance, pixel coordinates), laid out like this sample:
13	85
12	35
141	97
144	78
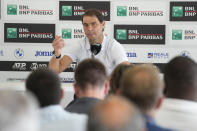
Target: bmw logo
19	53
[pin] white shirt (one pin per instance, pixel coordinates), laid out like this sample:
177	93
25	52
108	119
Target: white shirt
55	118
178	114
112	53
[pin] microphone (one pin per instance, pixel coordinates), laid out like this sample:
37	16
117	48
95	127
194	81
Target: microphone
95	49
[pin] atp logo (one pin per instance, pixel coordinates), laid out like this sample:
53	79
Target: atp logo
19	66
19	53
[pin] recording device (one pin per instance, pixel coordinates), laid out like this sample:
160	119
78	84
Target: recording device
95	49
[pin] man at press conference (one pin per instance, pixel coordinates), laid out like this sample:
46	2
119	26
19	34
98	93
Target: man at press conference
94	45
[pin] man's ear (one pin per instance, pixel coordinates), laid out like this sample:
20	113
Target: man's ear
103	25
159	102
62	93
76	89
106	87
118	91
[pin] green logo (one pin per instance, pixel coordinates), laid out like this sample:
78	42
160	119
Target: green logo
11	32
12	9
177	11
177	34
121	11
66	33
66	10
121	34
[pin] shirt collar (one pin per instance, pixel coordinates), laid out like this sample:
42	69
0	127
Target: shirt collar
149	119
87	44
52	108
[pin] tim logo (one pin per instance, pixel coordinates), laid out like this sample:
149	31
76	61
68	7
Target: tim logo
131	54
19	53
19	66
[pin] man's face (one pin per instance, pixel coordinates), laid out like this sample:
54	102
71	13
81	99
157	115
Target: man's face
93	28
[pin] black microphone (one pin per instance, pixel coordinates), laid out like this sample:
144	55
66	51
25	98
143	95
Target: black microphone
95	48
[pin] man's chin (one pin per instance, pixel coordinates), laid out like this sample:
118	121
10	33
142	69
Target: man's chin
91	38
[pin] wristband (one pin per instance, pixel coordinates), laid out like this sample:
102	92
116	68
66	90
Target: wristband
56	57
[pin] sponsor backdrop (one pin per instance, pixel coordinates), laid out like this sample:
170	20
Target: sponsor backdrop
151	31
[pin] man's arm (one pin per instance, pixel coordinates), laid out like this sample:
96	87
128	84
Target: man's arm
118	54
59	65
56	64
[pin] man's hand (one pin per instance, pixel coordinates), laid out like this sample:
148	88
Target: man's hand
58	44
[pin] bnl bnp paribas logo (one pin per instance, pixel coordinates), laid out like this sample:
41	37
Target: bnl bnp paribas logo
11	9
11	32
121	34
19	53
121	10
77	33
66	10
177	11
183	34
183	11
67	33
177	34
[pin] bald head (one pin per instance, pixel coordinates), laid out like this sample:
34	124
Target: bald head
117	114
142	85
18	112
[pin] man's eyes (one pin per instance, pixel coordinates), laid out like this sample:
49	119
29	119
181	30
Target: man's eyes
92	24
86	25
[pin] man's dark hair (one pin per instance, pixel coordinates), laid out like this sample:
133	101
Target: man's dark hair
45	85
93	12
90	71
180	76
116	77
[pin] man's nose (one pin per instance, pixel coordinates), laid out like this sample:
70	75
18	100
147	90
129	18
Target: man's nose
90	27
